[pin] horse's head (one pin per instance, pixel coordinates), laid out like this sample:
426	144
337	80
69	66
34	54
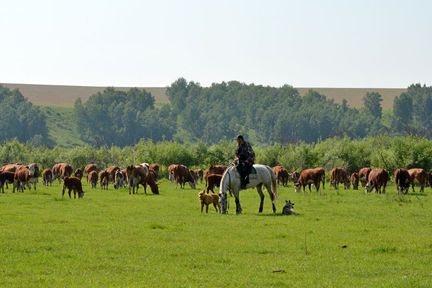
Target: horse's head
223	200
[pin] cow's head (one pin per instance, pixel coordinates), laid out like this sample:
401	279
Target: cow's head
32	169
297	187
81	194
368	187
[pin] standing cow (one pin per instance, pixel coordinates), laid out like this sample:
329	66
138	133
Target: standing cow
377	179
47	177
355	179
339	175
310	176
364	175
418	175
282	175
402	180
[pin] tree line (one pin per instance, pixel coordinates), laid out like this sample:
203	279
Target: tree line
264	114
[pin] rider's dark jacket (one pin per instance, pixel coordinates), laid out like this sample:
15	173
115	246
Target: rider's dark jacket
244	152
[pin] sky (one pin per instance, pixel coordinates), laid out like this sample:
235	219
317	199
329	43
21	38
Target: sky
327	43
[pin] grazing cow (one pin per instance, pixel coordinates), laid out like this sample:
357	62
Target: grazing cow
21	178
294	176
89	168
377	179
93	178
207	199
355	180
155	168
139	174
339	175
73	184
183	175
402	179
214	169
47	177
119	179
104	179
34	174
6	177
310	176
418	175
12	167
61	171
171	172
199	174
282	175
78	173
111	171
364	175
212	181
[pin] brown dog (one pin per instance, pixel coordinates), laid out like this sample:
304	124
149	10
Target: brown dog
207	199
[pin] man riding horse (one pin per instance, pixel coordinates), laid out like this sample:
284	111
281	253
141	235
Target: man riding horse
245	159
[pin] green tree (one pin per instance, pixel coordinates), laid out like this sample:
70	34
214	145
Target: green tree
372	104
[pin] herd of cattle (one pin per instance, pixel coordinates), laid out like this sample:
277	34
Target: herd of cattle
21	176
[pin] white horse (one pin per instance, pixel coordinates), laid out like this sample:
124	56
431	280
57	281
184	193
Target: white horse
231	182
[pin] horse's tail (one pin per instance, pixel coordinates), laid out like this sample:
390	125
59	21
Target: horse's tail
273	184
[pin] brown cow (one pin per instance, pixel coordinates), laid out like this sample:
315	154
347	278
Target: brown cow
364	175
402	179
199	174
93	178
21	178
155	168
183	175
138	174
104	179
339	175
6	177
310	176
212	181
11	167
214	169
355	179
47	177
61	171
73	184
419	175
377	179
89	168
171	172
78	173
282	175
111	171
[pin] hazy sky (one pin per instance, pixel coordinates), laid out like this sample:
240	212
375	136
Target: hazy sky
151	43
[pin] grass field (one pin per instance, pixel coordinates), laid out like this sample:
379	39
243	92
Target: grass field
112	239
62	128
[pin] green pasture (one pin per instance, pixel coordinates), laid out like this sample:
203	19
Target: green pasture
113	239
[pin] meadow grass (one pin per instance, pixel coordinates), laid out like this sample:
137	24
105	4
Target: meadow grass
113	239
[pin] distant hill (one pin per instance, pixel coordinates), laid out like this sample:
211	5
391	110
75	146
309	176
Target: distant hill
65	96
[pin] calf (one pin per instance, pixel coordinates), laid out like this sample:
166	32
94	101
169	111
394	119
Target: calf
355	180
47	177
79	173
72	184
364	175
93	178
207	199
104	179
339	175
377	179
212	181
402	180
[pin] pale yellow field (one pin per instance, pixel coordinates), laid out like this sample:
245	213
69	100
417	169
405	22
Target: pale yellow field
65	96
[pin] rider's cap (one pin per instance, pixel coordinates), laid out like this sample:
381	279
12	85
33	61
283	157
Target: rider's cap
240	137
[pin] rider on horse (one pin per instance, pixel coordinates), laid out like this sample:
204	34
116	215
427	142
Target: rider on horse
245	159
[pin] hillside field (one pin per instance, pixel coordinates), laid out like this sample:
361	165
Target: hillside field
65	96
112	239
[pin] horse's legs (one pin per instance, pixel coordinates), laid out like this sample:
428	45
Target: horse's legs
261	194
238	207
272	197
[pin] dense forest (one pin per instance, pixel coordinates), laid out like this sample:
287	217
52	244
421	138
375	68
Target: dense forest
266	115
20	119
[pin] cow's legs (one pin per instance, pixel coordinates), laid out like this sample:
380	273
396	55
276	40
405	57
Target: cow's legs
69	192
